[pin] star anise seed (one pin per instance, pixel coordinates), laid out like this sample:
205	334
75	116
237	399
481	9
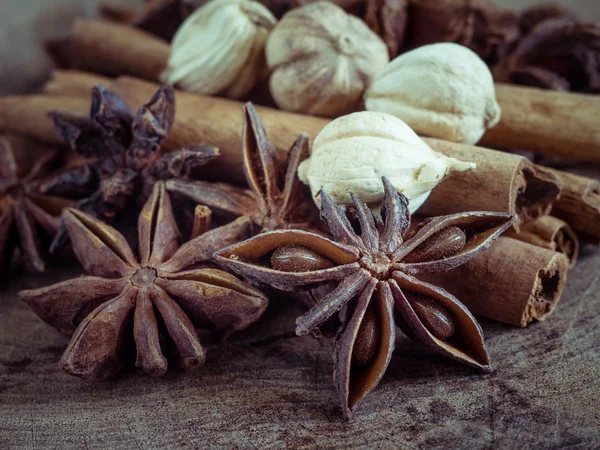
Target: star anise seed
151	303
375	269
275	199
124	153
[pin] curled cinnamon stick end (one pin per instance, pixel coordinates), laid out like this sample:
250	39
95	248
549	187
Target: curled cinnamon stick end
73	83
502	182
513	282
551	233
579	205
113	49
28	115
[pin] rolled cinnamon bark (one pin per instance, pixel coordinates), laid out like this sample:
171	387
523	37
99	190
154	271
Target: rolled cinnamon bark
28	115
513	282
113	49
551	233
547	122
579	205
503	182
73	83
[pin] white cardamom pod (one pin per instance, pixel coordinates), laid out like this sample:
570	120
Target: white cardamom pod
219	49
353	152
442	90
322	59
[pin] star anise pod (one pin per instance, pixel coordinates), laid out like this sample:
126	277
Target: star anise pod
485	28
124	152
29	220
376	268
560	53
276	197
153	302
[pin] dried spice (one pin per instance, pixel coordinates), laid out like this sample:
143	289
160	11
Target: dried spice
151	304
29	220
387	18
376	270
276	197
478	24
559	53
124	154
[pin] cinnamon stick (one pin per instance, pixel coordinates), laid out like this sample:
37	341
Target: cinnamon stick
112	49
28	115
502	182
513	282
547	122
579	205
73	83
551	233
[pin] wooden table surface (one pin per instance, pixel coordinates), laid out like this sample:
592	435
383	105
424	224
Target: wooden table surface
266	388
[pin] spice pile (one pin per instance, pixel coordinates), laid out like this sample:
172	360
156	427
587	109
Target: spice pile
193	212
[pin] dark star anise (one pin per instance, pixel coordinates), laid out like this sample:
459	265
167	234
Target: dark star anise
485	28
559	52
153	302
376	270
124	153
276	197
27	217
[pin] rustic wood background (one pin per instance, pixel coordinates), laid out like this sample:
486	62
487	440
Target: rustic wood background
266	388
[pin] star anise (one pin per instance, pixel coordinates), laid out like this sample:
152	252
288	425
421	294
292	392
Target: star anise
559	52
376	270
485	28
276	199
124	153
29	220
153	302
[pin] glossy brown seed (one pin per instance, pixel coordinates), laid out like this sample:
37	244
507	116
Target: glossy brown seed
296	258
437	319
443	244
368	341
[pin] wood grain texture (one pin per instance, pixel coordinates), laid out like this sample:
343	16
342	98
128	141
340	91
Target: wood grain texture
269	389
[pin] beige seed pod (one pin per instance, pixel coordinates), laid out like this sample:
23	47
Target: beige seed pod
322	60
442	90
353	152
219	49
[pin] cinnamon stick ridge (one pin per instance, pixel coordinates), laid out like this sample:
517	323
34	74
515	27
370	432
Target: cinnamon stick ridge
73	83
502	182
550	233
579	205
547	122
512	282
28	115
114	49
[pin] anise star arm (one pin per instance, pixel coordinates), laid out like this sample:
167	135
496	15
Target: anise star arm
437	319
9	171
146	336
293	187
157	230
214	299
64	305
100	344
181	163
261	161
30	243
222	198
7	238
447	242
101	249
113	114
81	134
251	259
336	219
151	126
364	349
74	183
396	217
